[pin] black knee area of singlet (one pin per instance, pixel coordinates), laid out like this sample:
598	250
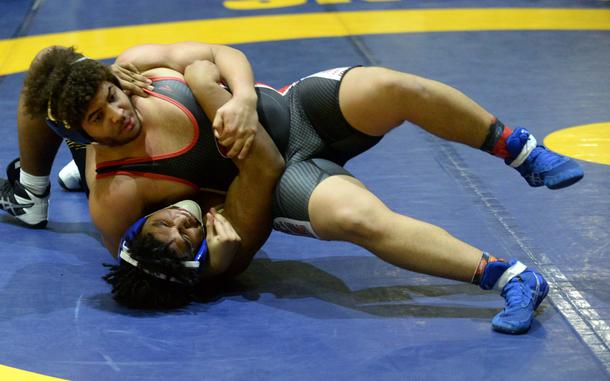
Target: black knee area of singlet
495	132
79	155
319	98
274	115
293	191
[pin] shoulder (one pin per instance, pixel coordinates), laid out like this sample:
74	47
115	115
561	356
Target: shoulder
114	204
116	195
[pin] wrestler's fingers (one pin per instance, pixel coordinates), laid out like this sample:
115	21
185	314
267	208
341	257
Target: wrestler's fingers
209	226
133	89
228	128
220	227
228	230
129	73
129	69
217	125
127	66
223	220
227	141
236	148
246	148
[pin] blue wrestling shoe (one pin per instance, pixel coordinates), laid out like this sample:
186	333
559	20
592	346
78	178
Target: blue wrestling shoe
523	294
539	165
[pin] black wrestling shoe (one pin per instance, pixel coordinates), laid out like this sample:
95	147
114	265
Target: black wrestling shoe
17	201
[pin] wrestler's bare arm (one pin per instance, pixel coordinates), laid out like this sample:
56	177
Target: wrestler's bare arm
248	200
114	204
235	120
233	65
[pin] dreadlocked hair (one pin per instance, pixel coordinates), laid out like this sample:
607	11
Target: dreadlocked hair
136	288
70	86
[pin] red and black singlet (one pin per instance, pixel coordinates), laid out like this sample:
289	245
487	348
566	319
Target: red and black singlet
200	164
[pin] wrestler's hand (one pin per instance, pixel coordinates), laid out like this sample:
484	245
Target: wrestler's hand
235	126
222	240
236	121
132	82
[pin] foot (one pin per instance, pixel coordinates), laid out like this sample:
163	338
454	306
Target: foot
69	178
523	294
539	165
17	201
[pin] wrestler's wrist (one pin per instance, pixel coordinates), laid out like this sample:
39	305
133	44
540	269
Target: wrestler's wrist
247	97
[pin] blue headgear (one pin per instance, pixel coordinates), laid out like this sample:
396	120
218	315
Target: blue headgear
135	229
62	128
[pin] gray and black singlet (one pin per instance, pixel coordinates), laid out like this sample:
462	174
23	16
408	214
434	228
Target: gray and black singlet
321	141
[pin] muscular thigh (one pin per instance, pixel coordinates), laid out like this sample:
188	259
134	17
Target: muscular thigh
373	99
290	207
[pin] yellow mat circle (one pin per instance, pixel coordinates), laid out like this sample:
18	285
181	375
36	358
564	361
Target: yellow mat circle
590	142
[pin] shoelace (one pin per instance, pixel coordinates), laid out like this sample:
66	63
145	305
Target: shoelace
514	292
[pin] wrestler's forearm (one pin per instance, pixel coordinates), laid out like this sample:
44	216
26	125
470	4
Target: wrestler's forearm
173	56
234	67
248	201
236	71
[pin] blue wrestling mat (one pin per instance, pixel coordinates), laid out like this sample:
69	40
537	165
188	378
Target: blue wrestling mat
312	310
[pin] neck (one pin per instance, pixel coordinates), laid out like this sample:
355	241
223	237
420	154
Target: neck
135	148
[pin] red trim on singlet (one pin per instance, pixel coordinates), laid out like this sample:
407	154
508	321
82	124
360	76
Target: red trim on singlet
150	175
167	78
163	156
285	89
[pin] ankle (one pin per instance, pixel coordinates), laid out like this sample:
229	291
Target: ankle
495	142
35	184
520	145
477	278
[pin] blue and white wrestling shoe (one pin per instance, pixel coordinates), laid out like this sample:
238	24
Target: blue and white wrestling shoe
17	201
539	165
522	288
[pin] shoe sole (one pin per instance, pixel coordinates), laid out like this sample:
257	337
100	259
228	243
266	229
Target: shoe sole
40	225
568	173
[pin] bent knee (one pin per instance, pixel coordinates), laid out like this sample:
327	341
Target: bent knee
397	84
353	224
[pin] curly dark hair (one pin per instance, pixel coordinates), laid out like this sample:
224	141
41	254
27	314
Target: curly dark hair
55	75
135	288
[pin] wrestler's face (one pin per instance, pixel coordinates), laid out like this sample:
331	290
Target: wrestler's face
178	228
111	118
